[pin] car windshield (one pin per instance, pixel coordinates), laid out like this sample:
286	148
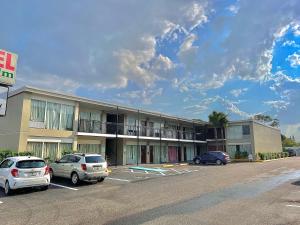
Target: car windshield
26	164
94	159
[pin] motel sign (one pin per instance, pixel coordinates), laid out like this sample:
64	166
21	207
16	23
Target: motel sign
8	66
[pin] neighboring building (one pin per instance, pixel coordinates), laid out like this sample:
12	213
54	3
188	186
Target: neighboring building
252	137
50	123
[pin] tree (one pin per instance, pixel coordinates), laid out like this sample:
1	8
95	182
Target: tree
218	120
267	120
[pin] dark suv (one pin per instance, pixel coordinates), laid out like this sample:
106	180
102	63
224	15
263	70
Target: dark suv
212	157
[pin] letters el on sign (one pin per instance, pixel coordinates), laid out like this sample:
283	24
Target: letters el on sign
3	100
8	66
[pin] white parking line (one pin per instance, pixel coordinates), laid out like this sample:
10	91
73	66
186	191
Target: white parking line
1	202
118	179
296	206
58	185
175	171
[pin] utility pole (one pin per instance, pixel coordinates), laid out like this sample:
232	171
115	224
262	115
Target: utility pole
117	126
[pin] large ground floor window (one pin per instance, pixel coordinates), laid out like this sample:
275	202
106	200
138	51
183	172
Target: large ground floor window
89	148
131	154
49	150
243	149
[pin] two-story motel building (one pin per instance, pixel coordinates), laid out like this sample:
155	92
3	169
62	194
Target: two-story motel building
49	123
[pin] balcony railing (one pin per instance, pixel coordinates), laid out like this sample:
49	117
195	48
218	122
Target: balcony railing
93	126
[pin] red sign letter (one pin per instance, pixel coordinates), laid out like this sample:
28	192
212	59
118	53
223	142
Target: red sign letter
8	63
2	54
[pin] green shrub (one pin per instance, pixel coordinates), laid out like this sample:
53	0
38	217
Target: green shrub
271	155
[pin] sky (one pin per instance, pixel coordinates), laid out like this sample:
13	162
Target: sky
181	57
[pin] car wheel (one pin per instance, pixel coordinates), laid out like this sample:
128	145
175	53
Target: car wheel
197	161
51	174
219	162
44	188
7	190
75	178
101	179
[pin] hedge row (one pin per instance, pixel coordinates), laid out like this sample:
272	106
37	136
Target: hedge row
271	155
10	153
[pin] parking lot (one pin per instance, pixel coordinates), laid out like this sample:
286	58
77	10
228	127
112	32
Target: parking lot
166	195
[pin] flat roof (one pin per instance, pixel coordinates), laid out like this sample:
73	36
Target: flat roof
253	121
100	103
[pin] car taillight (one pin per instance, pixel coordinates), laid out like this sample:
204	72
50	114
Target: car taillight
47	169
83	167
14	172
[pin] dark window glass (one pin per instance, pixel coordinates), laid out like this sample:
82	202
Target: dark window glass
26	164
246	129
74	159
94	159
6	164
64	159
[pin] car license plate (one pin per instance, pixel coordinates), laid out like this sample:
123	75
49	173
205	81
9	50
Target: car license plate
97	168
33	174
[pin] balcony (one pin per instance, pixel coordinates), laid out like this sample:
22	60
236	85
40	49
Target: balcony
109	128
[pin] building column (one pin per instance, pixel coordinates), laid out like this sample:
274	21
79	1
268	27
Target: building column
148	153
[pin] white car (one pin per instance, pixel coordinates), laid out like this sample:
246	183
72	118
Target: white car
22	172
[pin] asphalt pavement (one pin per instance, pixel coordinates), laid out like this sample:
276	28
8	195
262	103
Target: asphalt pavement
242	193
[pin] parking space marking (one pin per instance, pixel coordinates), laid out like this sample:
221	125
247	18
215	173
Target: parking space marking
176	171
1	202
296	206
118	179
62	186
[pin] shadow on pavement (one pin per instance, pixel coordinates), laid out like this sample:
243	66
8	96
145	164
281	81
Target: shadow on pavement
296	183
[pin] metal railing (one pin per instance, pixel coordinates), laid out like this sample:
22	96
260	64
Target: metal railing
93	126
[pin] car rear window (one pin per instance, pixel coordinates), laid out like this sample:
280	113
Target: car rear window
26	164
94	159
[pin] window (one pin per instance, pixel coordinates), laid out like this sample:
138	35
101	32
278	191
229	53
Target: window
37	113
246	130
67	116
65	159
65	148
94	159
51	115
6	164
90	122
49	150
36	148
235	132
89	148
74	159
28	164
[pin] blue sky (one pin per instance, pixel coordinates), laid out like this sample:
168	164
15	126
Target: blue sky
184	58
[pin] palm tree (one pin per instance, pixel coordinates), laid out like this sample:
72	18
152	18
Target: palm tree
218	120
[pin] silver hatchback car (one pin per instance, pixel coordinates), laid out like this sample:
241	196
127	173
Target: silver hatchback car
80	167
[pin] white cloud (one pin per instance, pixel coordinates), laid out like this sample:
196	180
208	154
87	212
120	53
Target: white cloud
55	82
294	60
291	44
140	96
233	8
278	104
230	106
194	15
238	92
296	28
291	130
